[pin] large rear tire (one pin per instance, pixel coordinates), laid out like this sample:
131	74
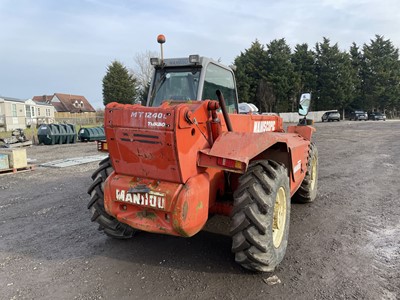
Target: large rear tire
111	226
260	217
307	191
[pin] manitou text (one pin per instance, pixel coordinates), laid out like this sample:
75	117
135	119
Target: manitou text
152	199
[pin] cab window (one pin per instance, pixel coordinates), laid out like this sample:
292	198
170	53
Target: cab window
175	84
217	78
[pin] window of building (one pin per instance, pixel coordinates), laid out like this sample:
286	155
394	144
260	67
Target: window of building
38	111
14	110
47	112
33	111
28	111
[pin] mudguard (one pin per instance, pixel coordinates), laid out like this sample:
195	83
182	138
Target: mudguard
239	148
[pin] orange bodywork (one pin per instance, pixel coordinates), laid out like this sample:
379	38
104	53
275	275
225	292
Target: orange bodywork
172	162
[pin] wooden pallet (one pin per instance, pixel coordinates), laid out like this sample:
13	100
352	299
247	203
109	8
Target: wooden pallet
17	170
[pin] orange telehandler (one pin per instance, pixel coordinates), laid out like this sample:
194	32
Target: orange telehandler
183	157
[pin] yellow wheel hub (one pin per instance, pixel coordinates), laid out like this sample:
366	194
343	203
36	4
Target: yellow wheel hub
313	173
279	221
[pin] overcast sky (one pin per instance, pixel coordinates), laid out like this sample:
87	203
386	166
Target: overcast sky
62	46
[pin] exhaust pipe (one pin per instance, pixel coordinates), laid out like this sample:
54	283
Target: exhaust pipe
224	111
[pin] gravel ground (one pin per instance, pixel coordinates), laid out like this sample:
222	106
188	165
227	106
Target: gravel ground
345	245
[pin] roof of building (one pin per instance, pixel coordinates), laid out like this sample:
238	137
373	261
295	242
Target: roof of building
44	98
75	103
59	107
13	99
43	104
68	102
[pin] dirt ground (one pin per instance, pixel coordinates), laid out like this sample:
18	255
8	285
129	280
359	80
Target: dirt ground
345	245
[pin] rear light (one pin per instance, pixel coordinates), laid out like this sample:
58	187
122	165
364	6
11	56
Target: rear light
102	146
230	163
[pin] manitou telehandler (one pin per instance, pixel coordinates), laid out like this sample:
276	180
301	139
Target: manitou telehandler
184	157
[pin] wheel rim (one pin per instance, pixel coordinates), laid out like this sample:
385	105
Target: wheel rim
279	219
313	173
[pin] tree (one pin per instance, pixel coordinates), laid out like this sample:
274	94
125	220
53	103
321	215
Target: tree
273	78
382	75
143	72
250	69
304	68
266	95
281	74
346	82
334	77
119	85
143	94
358	77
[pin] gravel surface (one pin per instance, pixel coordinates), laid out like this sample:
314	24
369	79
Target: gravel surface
345	245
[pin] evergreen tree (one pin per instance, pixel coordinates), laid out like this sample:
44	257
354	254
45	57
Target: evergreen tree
118	85
358	77
382	75
250	71
367	78
326	76
266	95
280	73
304	68
334	77
345	82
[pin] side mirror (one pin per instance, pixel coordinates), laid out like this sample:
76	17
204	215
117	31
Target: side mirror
304	104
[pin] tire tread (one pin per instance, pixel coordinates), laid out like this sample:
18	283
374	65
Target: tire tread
110	225
251	225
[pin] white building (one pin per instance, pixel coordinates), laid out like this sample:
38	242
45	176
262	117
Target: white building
22	113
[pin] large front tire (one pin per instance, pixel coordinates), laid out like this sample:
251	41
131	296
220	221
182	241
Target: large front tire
307	191
111	226
260	218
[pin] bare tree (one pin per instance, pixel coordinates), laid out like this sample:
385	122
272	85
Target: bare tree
142	69
266	96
